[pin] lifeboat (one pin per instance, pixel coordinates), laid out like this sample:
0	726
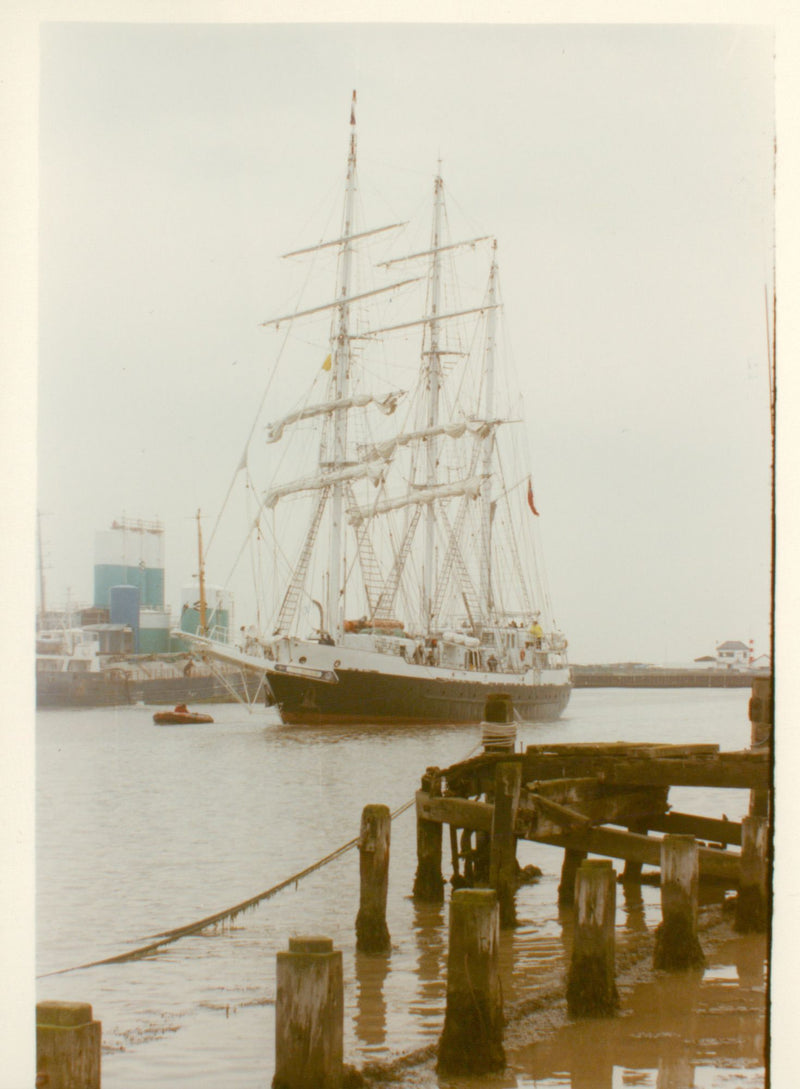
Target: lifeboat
181	716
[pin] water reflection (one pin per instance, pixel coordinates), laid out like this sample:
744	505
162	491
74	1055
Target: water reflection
370	1019
430	935
671	1025
633	907
675	1072
748	956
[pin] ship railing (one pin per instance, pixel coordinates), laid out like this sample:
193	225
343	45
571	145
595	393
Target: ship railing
219	634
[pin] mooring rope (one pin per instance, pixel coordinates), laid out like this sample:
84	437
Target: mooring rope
167	937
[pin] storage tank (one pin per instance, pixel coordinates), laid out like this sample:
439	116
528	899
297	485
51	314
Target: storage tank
124	609
154	627
130	553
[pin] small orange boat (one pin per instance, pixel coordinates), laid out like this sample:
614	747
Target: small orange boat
181	716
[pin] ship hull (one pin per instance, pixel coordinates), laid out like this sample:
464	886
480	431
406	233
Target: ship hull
362	696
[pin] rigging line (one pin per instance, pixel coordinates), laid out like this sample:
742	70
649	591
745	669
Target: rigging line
256	524
167	937
243	459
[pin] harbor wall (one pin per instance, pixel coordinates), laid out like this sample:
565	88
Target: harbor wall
597	676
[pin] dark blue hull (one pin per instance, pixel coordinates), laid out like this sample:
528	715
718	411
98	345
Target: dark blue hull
361	696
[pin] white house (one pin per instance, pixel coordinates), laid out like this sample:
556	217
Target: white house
733	655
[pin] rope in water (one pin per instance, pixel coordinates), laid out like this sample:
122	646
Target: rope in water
167	937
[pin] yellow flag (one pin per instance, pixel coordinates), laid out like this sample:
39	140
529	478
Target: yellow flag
326	366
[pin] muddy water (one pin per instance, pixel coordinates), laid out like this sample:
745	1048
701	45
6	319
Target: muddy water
143	828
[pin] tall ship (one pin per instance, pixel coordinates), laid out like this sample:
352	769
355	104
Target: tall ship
408	584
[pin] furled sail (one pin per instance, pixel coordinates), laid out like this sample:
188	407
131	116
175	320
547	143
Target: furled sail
371	470
471	487
479	429
386	404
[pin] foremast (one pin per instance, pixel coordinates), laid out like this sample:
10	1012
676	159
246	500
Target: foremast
340	364
434	385
485	586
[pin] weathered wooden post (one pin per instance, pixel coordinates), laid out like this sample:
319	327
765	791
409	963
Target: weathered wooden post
632	871
591	982
751	901
677	945
569	872
68	1046
472	1039
428	882
503	857
309	1016
372	934
761	714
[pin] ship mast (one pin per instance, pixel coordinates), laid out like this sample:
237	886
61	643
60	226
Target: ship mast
201	577
340	359
487	605
434	383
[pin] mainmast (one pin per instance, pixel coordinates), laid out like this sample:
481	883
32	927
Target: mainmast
434	383
340	360
487	604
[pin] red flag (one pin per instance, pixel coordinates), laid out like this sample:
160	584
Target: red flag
530	498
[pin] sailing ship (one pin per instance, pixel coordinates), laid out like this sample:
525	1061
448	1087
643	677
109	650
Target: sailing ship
413	590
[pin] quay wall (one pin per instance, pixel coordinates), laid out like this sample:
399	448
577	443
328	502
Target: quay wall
655	677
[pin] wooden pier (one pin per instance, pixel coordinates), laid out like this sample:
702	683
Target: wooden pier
599	799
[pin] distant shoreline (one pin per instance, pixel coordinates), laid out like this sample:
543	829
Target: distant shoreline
633	676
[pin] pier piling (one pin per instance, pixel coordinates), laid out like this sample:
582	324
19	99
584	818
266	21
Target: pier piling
761	715
309	1016
751	901
503	858
569	872
68	1046
372	933
591	982
472	1039
677	946
428	881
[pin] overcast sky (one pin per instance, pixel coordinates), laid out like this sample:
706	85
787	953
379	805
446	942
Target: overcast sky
627	174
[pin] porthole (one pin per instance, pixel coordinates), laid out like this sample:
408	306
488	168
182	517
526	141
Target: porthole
302	660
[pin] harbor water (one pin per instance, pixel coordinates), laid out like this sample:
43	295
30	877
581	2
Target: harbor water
142	828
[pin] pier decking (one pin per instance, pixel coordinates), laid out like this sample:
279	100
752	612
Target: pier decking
598	799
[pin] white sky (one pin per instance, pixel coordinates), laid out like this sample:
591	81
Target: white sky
627	174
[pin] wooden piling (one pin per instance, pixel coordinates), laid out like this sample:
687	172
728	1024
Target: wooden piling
752	899
677	946
309	1016
372	934
428	881
503	857
761	713
472	1039
591	983
68	1044
632	871
569	872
